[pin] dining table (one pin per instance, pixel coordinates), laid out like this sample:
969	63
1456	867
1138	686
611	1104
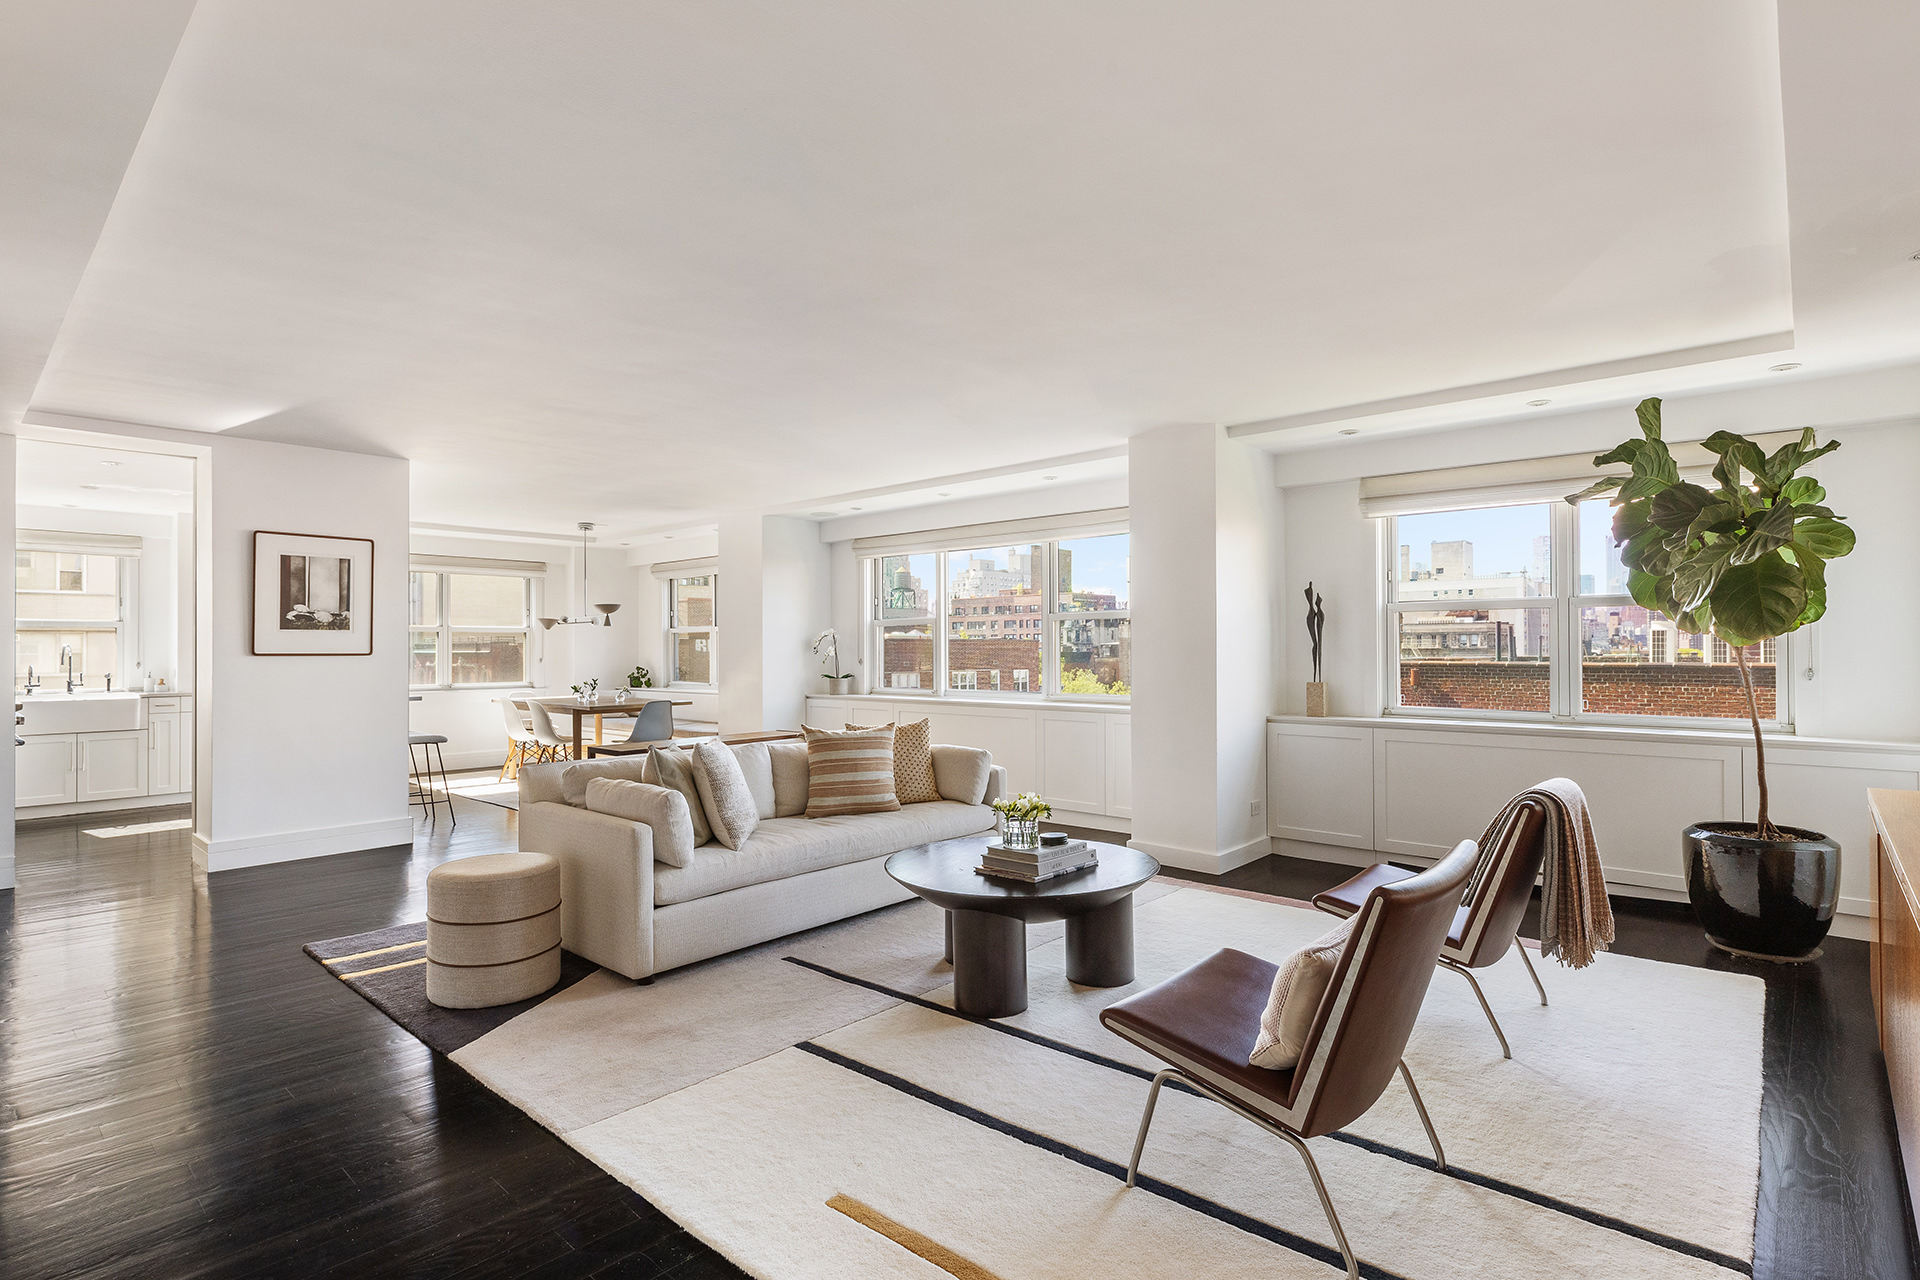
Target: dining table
598	710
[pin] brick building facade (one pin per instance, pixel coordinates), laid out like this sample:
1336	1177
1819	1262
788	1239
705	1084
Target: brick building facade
1609	688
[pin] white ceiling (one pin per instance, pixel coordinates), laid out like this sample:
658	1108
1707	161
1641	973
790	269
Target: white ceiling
645	262
67	475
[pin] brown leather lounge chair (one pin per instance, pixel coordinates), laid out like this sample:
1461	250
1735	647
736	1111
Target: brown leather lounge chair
1487	926
1204	1021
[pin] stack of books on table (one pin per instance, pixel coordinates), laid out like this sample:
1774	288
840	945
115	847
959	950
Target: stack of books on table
1034	865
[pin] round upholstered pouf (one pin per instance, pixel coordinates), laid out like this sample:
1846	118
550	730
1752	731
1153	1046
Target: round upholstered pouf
493	929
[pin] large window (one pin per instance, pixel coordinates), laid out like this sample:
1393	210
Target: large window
1033	618
1524	610
691	633
469	629
72	606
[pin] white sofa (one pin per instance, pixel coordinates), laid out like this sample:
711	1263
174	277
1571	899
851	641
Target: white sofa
624	911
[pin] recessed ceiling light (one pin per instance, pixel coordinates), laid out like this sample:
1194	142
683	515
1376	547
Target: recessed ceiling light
1349	431
1789	367
1049	477
70	504
944	494
1915	255
89	486
1535	404
107	462
853	508
667	537
819	515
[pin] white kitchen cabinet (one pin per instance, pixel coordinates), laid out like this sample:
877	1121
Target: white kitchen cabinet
163	753
113	766
43	770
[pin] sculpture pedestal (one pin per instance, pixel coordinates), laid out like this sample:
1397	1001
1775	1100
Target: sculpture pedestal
1316	698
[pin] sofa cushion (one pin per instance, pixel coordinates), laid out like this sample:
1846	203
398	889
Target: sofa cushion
789	761
661	808
756	765
782	847
574	778
673	767
912	761
731	811
961	773
849	772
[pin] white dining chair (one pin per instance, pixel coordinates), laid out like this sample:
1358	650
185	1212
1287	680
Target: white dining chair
552	745
520	743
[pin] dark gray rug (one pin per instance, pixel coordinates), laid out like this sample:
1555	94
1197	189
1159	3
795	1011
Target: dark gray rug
389	968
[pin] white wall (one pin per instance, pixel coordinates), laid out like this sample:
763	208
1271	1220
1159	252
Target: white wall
300	756
1330	544
158	623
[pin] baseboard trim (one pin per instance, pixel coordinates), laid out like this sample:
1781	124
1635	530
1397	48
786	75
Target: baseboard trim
132	804
291	846
1207	861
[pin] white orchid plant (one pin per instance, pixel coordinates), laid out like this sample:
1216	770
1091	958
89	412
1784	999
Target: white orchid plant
1025	807
826	647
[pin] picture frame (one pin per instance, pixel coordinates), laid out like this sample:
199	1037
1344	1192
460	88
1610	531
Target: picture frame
312	595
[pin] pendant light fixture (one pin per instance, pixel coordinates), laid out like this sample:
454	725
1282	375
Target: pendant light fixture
606	610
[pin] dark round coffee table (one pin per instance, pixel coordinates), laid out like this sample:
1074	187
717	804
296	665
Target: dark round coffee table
987	919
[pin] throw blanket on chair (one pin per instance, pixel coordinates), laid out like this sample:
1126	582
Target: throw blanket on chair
1576	920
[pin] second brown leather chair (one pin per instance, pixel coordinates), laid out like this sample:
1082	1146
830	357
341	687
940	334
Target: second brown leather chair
1487	925
1204	1022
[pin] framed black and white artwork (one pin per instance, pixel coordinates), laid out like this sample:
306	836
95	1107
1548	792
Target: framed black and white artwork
312	594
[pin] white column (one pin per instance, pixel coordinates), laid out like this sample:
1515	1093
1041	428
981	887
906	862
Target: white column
7	452
774	597
1204	646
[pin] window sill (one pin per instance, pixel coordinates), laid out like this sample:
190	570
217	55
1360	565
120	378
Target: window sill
1742	737
1032	701
466	688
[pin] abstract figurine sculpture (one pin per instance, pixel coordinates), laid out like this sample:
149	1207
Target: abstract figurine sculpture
1316	628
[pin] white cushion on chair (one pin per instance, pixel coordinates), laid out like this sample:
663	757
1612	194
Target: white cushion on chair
1297	989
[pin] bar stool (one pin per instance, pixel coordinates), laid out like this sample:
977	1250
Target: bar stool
427	746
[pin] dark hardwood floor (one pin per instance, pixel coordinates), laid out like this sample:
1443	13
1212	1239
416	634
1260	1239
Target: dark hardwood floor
182	1094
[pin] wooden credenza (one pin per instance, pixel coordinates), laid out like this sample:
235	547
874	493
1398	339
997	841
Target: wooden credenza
1895	958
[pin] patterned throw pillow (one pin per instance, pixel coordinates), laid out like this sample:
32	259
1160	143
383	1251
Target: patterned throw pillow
912	761
1297	988
849	772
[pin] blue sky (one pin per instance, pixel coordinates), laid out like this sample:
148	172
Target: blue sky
1503	537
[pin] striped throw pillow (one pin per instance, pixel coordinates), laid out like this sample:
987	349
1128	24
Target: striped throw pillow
849	772
912	761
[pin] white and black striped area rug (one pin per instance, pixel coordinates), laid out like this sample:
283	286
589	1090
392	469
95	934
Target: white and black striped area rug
814	1108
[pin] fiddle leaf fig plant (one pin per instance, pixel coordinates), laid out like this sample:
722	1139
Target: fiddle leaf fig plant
1744	561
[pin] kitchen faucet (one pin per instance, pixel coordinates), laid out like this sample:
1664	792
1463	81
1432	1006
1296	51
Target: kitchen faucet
66	659
32	684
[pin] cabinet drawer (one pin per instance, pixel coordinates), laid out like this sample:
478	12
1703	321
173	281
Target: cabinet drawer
163	704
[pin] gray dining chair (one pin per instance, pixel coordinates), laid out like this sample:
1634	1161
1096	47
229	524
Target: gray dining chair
654	723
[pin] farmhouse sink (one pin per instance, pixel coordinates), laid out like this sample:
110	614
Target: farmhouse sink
81	712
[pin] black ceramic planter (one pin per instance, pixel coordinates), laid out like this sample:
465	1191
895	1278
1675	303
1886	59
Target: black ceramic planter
1770	899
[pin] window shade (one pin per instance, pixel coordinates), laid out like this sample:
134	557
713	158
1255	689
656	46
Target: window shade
694	568
471	564
1496	484
999	533
85	544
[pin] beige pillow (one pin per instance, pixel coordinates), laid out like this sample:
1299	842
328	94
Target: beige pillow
912	762
723	789
849	772
574	778
789	778
756	766
661	808
672	767
1297	989
962	773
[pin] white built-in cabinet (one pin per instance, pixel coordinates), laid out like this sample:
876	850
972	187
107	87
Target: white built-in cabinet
118	764
1079	756
1391	787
